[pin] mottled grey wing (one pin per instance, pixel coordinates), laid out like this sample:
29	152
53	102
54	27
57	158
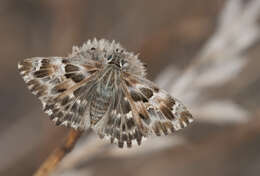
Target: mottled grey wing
154	111
63	85
159	111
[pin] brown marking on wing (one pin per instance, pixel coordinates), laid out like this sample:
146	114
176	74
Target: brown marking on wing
37	88
143	114
42	73
169	126
65	100
61	87
71	68
163	128
156	129
185	116
130	123
76	77
166	112
25	66
65	61
147	92
45	64
169	102
138	135
126	108
159	127
136	96
75	87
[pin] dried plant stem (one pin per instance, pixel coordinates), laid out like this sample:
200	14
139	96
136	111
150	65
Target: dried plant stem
53	160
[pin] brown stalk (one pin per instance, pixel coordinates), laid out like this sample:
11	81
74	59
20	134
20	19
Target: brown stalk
51	163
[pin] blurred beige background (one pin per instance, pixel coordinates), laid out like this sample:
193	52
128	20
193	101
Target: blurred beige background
205	52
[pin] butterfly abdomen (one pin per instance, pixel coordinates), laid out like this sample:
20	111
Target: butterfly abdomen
98	107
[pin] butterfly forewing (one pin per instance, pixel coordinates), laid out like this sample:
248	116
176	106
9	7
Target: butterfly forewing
62	85
159	112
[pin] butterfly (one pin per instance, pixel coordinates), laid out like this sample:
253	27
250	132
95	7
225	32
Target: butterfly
102	86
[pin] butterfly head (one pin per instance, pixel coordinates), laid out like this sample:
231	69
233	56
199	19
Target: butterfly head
109	54
117	58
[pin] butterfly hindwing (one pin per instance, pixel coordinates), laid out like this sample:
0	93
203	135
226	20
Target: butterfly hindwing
118	123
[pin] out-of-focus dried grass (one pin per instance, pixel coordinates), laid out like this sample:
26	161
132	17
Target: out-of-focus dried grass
222	59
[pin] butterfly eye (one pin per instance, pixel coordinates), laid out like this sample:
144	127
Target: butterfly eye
109	58
122	63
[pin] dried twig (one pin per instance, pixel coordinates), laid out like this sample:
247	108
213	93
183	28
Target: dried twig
53	160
